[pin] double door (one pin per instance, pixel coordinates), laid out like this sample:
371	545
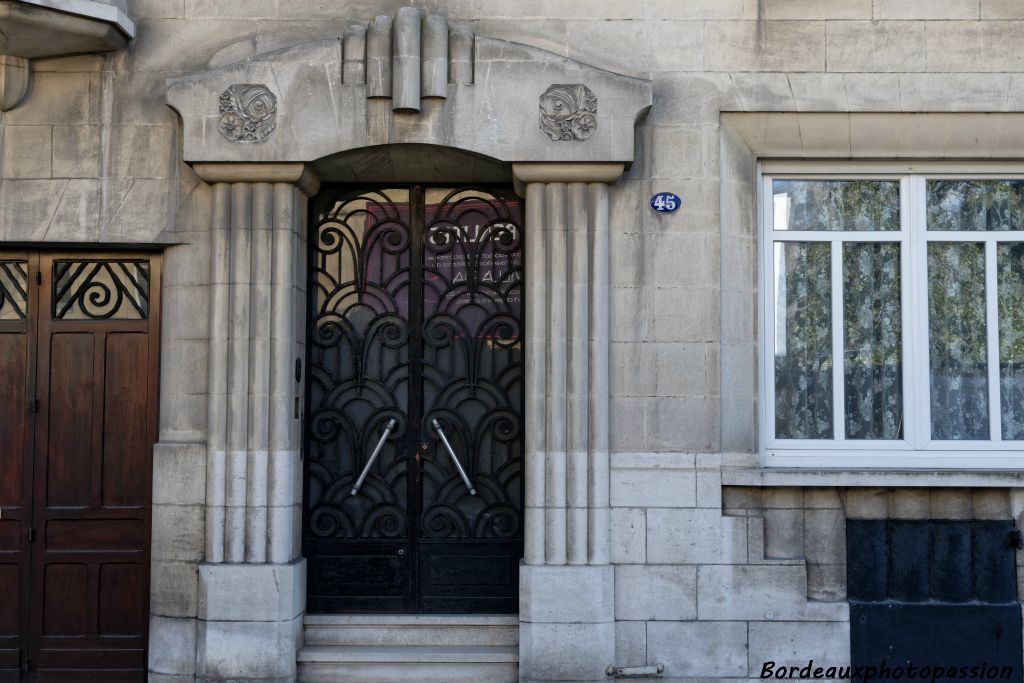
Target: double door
78	371
414	430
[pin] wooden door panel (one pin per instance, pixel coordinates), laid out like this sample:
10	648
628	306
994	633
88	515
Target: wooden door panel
95	535
65	601
70	411
121	613
17	322
93	443
13	379
10	585
10	537
125	447
11	608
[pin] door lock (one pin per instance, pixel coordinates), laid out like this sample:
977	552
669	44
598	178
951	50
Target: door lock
401	551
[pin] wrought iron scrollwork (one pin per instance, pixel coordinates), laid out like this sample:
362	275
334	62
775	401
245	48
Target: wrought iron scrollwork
359	367
13	289
447	283
101	290
473	365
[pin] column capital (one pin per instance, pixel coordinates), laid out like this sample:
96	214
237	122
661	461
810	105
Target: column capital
299	174
566	172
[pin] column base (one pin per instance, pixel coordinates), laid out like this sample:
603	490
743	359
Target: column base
567	629
250	622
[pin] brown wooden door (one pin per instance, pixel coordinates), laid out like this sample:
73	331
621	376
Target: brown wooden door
17	335
87	424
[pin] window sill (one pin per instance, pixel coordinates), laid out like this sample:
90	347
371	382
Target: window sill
779	476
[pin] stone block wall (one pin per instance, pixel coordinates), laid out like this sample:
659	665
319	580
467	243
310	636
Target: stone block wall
737	575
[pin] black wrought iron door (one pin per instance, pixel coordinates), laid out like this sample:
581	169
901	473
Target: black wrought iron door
414	448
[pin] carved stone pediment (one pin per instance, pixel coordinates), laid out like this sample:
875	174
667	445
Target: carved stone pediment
415	79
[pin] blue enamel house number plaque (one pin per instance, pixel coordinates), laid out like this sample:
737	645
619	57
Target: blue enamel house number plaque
665	202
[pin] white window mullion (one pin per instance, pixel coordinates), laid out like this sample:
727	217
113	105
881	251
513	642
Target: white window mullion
838	374
911	430
767	316
992	337
920	389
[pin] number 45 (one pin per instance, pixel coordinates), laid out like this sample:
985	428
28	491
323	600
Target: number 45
663	203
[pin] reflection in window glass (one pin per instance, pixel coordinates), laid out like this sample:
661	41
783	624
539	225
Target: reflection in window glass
956	327
872	339
803	341
976	205
1010	262
836	204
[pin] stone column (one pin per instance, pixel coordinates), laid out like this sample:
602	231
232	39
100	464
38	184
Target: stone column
566	582
252	584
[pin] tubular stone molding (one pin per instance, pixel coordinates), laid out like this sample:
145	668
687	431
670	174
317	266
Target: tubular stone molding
248	112
568	112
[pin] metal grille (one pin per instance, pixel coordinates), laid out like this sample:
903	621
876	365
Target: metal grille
416	317
473	364
101	290
13	289
359	367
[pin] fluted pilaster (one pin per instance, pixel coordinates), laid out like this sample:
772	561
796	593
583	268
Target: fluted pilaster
253	443
567	303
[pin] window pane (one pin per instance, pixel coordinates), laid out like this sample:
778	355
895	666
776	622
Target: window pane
956	330
1011	339
873	355
803	341
976	205
836	204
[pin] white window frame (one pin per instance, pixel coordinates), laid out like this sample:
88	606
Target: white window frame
916	450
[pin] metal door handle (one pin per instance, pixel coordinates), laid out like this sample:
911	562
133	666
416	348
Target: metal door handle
392	423
455	459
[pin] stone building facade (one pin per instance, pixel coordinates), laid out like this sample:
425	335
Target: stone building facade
665	525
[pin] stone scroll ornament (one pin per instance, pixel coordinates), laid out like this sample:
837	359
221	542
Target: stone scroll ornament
248	113
568	112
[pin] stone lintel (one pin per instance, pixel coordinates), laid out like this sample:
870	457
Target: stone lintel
298	174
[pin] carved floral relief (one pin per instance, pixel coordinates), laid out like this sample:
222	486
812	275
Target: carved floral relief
568	111
248	112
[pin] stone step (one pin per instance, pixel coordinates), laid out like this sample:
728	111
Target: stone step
408	664
412	630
